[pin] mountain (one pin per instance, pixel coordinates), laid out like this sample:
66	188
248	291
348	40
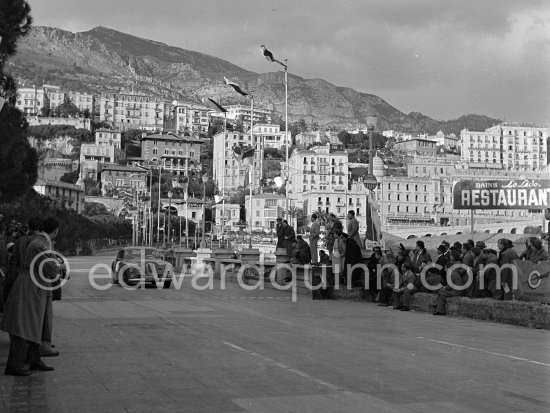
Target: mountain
106	60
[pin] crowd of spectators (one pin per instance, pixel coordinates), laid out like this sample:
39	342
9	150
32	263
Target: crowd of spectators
468	269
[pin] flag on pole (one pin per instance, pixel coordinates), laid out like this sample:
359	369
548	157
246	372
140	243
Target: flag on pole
235	86
216	104
374	227
269	56
245	156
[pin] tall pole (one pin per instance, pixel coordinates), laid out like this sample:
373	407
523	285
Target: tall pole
250	219
180	231
186	197
169	219
251	168
287	137
472	221
158	206
371	148
203	242
223	172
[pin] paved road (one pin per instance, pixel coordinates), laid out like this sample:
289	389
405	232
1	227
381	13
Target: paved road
256	351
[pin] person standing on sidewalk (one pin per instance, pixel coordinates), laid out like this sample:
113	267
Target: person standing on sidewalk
353	228
314	234
29	303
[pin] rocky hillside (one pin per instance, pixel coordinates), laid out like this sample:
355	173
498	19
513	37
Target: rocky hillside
102	60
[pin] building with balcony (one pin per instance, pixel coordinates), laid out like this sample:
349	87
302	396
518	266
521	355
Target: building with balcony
117	177
415	147
266	208
511	146
92	156
82	100
228	173
108	137
242	113
179	155
31	100
69	195
228	214
322	168
132	111
190	118
307	139
271	135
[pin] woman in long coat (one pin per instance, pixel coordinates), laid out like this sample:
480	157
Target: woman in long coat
27	306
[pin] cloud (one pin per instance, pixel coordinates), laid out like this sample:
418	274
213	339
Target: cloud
443	58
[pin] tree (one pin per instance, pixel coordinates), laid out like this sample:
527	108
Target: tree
67	109
94	208
86	113
70	177
18	161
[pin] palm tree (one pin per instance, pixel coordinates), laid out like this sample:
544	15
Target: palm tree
294	212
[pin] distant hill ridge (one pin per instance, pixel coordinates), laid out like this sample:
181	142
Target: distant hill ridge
105	60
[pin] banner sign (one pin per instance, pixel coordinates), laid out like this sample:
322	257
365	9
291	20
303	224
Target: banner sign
533	281
502	194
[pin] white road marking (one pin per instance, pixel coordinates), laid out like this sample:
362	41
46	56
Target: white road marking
493	353
287	368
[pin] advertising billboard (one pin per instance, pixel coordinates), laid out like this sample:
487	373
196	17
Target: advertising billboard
502	194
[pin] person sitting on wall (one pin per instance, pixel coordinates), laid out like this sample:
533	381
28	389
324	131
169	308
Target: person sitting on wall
458	277
406	282
302	252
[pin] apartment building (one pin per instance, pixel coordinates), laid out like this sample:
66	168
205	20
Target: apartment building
307	139
116	177
271	135
179	155
512	146
266	208
32	100
190	117
82	100
228	173
132	111
416	147
105	150
71	196
242	113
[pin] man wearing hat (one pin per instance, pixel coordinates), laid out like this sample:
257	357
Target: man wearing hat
481	245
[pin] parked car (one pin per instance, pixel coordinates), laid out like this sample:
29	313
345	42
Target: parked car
141	264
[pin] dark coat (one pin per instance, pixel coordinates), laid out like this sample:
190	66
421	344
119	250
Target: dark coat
280	237
289	237
28	303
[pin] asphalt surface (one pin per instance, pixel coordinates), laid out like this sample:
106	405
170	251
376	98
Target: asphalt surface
154	350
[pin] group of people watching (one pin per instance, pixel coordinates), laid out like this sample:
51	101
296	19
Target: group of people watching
401	271
446	278
29	282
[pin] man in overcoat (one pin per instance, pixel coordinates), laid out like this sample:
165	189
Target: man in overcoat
30	303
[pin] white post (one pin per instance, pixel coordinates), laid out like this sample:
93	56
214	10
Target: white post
286	131
251	167
158	207
223	172
250	220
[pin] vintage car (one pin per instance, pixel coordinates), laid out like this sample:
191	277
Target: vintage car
135	265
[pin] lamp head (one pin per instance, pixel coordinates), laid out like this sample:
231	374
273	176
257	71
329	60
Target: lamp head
279	181
205	178
170	193
175	102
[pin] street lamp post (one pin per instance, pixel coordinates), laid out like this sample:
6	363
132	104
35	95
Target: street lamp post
169	216
203	240
269	56
371	124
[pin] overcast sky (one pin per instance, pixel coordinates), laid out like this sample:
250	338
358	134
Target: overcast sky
442	58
